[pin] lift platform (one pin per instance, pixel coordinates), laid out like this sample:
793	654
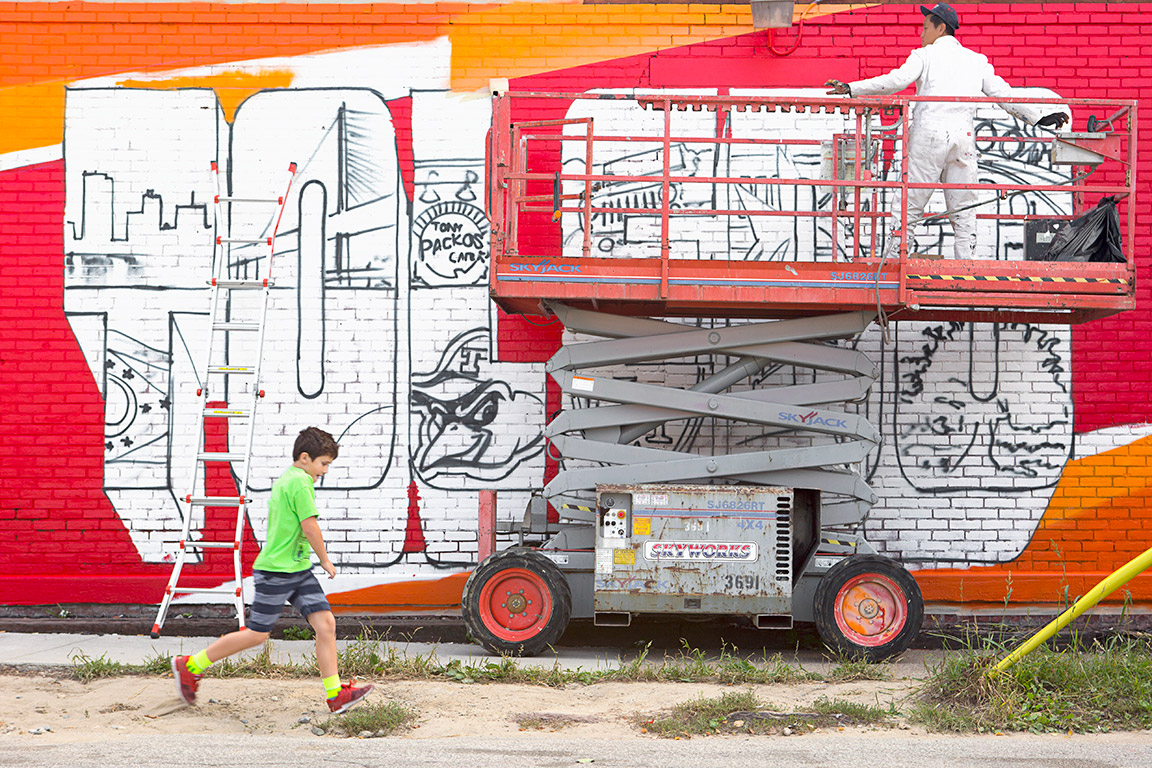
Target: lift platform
779	226
762	207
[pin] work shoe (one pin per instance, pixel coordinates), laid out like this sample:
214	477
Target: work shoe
348	697
186	682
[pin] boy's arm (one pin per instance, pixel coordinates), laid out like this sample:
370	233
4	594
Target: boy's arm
311	530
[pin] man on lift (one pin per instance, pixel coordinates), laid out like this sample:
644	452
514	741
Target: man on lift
941	144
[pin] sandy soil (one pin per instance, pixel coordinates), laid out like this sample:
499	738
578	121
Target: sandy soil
103	709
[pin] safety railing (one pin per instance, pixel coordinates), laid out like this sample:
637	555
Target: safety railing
653	198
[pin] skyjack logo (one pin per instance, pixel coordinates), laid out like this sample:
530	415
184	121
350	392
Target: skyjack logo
811	419
542	267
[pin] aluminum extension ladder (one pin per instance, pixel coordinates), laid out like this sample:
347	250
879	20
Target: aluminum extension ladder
213	380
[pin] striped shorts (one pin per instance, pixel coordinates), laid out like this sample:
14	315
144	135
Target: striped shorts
274	589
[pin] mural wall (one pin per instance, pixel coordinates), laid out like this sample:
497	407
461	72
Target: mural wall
1011	452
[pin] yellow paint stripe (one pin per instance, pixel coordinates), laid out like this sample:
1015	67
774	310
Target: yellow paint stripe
31	116
231	88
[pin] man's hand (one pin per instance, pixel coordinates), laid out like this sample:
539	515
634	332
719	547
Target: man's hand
1053	121
328	568
838	88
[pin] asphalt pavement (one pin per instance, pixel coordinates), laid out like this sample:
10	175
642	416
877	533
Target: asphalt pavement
836	750
894	749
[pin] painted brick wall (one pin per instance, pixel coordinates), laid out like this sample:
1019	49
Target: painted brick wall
109	114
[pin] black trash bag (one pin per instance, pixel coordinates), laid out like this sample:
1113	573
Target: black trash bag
1095	236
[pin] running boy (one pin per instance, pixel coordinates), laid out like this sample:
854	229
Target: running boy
283	572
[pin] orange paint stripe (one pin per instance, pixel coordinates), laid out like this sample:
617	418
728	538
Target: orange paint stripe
1034	588
427	595
543	38
57	43
67	42
1097	520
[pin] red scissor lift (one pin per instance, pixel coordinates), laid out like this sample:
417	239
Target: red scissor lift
1055	292
553	181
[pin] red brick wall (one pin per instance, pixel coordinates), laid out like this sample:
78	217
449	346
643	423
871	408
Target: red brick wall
58	532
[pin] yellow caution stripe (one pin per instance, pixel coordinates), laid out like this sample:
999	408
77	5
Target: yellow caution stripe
1015	279
839	543
575	506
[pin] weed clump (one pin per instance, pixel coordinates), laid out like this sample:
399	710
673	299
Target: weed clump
377	718
1107	686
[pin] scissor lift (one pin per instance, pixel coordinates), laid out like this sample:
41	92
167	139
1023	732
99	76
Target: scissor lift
626	529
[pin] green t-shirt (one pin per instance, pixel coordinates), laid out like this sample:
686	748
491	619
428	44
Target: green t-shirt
293	501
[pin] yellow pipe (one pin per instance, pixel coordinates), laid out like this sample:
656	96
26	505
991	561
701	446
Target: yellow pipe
1113	582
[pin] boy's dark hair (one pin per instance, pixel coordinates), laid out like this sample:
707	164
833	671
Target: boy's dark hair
316	443
937	21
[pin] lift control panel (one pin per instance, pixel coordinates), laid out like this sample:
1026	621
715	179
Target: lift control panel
613	524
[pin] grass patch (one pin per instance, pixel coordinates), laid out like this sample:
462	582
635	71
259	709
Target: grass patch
848	670
851	712
378	718
746	713
371	655
361	656
1104	687
541	721
691	665
86	669
298	633
700	716
368	657
259	665
156	664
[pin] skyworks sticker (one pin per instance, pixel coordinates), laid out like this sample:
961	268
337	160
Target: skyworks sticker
702	551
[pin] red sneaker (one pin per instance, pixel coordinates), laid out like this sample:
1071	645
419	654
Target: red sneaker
348	697
186	682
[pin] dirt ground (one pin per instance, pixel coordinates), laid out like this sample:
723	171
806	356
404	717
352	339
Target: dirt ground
127	706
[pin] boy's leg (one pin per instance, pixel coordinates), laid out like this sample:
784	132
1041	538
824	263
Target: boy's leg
233	643
324	623
189	669
267	605
309	600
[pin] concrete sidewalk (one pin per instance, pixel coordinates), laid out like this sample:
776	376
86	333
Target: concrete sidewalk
56	650
41	649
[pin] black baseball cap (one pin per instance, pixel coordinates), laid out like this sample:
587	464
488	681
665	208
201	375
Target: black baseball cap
945	13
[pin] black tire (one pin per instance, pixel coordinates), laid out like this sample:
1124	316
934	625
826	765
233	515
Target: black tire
868	607
512	623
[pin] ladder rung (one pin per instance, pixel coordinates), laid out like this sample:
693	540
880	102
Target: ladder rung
205	590
244	240
239	370
273	200
234	326
241	284
215	501
211	544
225	456
229	413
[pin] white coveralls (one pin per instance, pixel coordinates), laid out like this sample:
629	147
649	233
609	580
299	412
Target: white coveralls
941	145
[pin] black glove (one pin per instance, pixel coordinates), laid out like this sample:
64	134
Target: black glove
1053	121
839	88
